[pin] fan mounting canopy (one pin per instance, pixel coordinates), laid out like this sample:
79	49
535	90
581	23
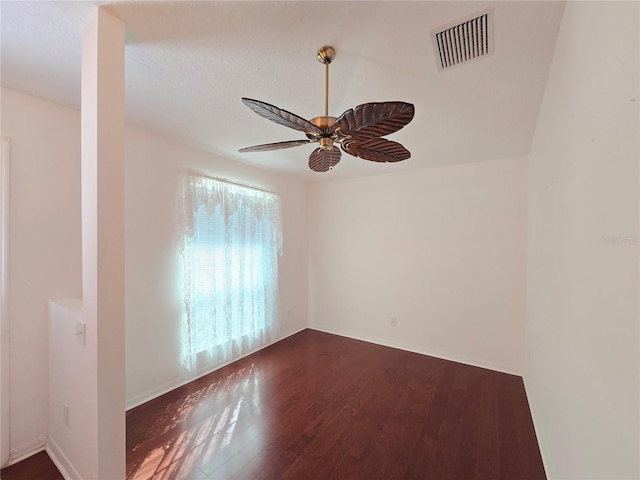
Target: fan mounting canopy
326	54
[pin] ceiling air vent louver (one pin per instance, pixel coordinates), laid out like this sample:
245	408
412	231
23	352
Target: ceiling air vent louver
463	40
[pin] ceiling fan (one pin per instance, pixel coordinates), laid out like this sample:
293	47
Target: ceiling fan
358	131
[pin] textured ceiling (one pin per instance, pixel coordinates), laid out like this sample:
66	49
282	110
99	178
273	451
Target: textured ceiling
189	63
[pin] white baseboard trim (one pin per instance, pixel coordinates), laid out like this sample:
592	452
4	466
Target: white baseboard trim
537	426
61	461
179	382
442	355
27	450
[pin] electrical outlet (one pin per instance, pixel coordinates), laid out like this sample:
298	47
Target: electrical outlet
65	414
394	321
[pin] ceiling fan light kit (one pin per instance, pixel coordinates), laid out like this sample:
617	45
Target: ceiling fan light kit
358	131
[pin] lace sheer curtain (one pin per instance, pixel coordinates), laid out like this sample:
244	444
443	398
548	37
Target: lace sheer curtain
230	237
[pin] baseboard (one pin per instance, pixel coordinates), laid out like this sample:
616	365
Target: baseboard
61	461
179	382
27	450
442	355
538	429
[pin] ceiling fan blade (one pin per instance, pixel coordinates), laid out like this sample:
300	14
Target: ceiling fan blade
376	150
280	116
371	120
324	160
274	146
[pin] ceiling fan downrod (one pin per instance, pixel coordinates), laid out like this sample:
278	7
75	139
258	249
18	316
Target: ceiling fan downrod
326	55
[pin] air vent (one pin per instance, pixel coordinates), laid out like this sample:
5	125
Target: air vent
464	40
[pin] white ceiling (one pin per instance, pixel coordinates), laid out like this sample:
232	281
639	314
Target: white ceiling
189	63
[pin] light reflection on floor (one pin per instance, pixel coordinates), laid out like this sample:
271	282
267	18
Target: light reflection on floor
208	418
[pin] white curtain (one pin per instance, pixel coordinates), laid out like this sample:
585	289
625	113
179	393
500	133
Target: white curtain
230	237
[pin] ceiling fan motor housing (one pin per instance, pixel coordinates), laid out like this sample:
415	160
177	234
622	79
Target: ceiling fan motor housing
328	136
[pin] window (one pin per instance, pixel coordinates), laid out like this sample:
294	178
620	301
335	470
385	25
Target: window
230	239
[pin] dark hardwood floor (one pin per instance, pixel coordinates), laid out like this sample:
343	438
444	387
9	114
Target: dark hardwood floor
320	406
36	467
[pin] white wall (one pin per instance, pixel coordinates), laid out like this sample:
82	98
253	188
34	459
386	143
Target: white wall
441	249
44	260
153	275
582	277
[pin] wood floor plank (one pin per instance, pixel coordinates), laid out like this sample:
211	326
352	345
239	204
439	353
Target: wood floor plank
466	456
423	452
488	459
449	436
